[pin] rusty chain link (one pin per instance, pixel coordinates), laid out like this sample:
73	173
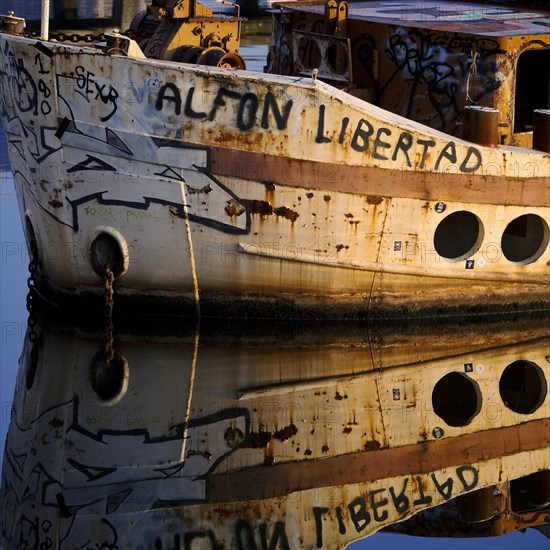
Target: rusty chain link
109	293
31	301
76	38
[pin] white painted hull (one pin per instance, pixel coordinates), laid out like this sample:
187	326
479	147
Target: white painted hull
250	194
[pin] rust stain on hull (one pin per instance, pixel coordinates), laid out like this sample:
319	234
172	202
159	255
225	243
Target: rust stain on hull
378	182
286	478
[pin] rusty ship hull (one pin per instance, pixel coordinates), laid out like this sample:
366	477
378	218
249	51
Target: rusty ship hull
220	191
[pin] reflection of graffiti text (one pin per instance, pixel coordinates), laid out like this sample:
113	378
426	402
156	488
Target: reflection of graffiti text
246	536
378	504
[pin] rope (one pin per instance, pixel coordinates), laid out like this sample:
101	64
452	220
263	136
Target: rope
191	252
473	70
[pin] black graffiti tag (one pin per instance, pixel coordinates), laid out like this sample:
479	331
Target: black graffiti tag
368	138
88	86
248	107
24	88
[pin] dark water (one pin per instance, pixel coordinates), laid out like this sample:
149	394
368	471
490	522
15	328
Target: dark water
185	364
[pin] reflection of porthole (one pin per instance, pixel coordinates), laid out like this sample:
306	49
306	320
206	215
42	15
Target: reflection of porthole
456	399
525	239
309	53
109	380
523	386
458	235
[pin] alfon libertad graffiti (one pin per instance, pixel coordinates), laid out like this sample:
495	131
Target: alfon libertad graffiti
123	162
249	112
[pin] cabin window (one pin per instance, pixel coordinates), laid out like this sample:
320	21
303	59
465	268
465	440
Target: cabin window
458	236
523	386
532	87
525	239
309	53
456	399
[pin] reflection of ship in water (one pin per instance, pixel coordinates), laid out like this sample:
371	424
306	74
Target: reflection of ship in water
277	437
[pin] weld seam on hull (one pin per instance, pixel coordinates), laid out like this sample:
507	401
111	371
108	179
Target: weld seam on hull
375	267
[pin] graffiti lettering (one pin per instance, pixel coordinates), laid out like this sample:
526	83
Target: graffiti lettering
88	86
247	107
382	148
38	61
109	97
24	87
244	535
246	114
434	65
404	143
46	92
379	144
169	92
426	144
219	101
320	137
271	105
360	139
189	111
345	122
422	499
377	505
400	500
84	80
99	210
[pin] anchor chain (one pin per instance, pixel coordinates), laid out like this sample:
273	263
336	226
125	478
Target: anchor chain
32	295
87	38
109	332
64	37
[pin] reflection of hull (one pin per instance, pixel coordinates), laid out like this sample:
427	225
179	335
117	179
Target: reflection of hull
243	441
255	194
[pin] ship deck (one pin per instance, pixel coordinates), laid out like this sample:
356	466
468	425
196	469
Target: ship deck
481	18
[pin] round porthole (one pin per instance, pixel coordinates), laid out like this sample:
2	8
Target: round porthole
458	235
456	399
523	386
337	58
525	239
309	53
